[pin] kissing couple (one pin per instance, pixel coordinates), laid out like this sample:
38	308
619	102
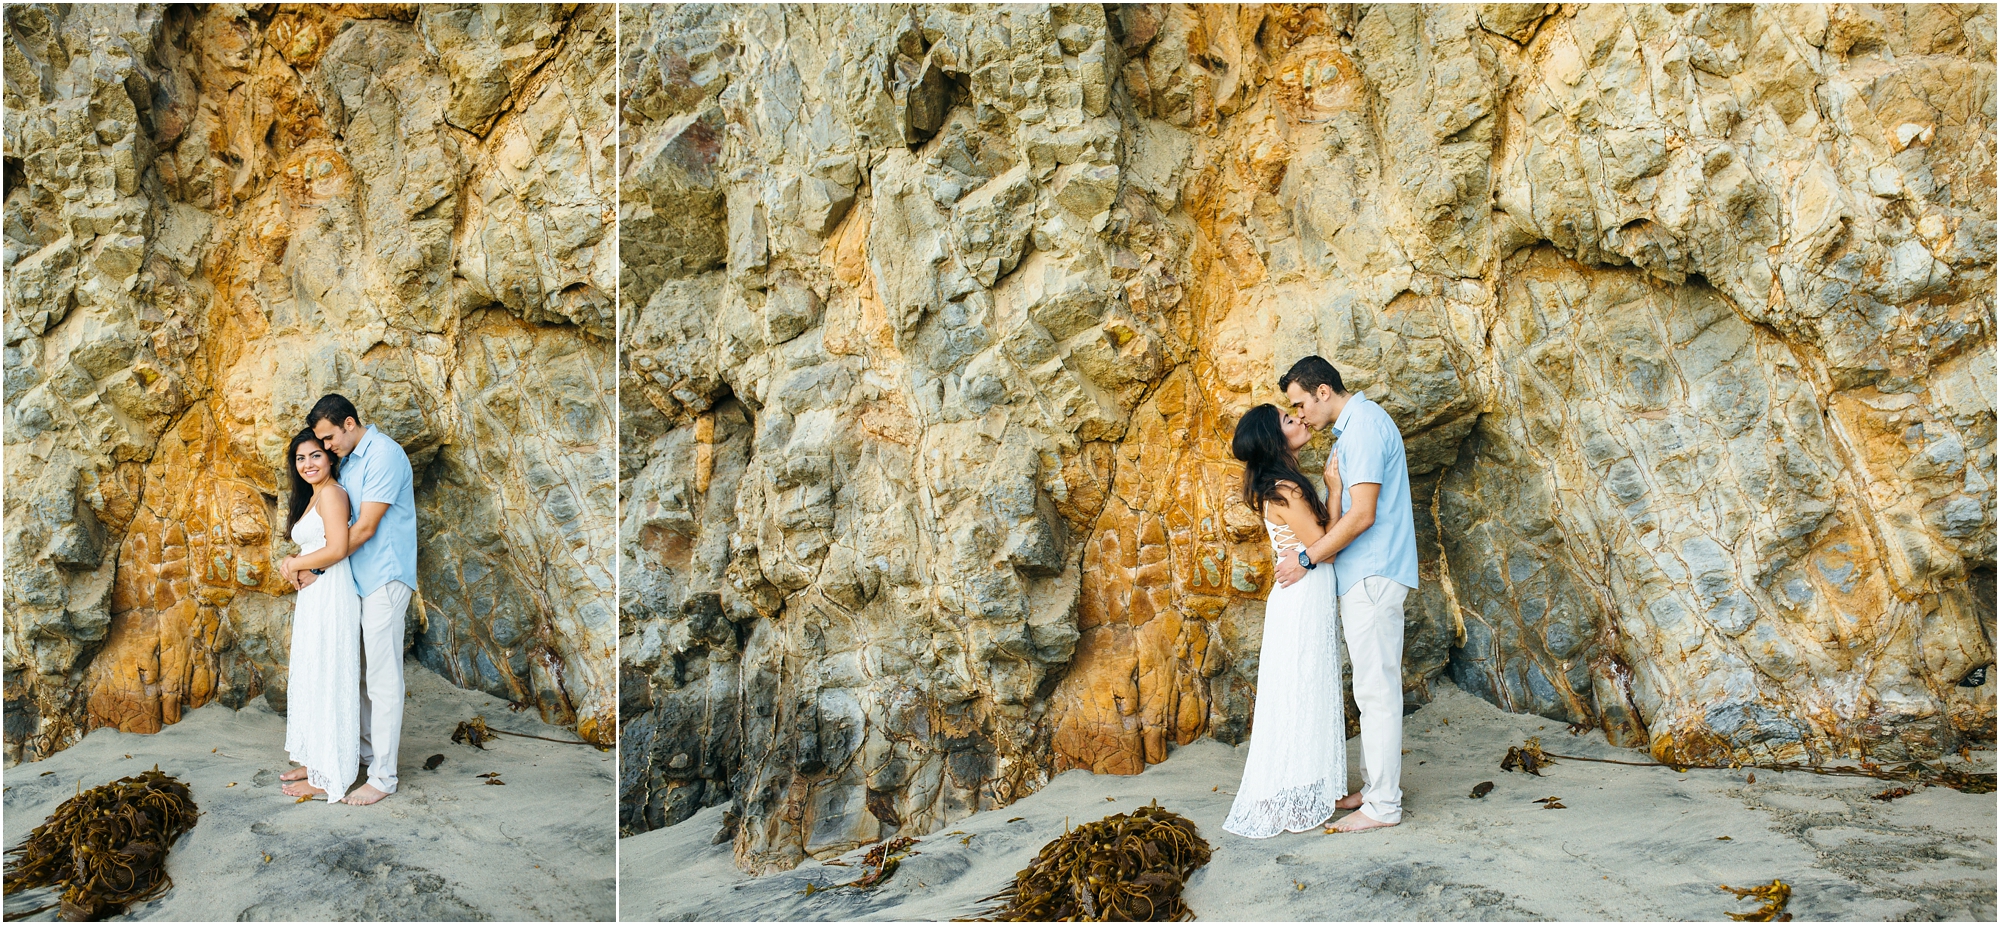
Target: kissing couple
1339	573
354	518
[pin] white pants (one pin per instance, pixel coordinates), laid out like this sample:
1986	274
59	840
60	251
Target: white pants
382	681
1371	620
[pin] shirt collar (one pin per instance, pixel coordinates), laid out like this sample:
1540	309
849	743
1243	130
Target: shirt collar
361	446
1346	412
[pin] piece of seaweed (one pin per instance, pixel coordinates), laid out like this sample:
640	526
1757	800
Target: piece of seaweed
476	733
881	861
1528	757
1914	771
1774	895
1130	867
106	846
473	732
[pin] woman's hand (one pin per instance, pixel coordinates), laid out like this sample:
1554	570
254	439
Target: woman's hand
285	570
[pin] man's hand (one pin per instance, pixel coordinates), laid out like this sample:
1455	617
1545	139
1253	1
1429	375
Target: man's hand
1289	571
303	577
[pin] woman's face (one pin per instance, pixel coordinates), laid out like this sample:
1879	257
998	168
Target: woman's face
312	461
1296	433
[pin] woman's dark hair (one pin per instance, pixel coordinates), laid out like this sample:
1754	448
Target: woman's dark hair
1268	460
302	490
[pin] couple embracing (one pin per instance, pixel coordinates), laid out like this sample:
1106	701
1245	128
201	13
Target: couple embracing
1340	573
353	516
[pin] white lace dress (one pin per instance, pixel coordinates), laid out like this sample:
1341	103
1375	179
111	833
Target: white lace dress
1298	735
323	714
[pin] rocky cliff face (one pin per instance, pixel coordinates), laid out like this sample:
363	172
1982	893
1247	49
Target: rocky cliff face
214	216
940	319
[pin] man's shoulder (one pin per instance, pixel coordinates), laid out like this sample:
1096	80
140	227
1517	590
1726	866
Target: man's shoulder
1378	417
388	450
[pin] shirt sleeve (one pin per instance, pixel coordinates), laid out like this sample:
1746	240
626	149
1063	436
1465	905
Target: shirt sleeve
1368	459
378	481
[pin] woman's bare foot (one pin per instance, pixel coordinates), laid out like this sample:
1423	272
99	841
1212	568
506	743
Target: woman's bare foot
1350	801
298	773
299	788
363	795
1356	822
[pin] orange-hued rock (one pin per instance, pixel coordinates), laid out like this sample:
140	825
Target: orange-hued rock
215	215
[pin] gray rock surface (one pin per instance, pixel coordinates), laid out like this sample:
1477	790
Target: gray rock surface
941	319
216	215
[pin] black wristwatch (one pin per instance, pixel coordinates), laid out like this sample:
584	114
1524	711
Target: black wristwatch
317	571
1305	561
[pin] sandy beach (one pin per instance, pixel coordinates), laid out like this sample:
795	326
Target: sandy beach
1633	843
445	847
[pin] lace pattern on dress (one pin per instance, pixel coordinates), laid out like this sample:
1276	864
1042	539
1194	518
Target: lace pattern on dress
1293	809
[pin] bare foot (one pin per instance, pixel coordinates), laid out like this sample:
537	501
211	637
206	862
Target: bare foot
1357	822
298	773
299	788
363	795
1350	801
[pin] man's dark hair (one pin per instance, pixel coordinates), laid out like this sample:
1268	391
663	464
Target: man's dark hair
1311	373
336	409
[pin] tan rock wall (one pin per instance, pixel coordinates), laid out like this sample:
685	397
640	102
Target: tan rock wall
216	215
1686	313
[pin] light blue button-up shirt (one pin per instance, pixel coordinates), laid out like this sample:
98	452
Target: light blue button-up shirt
379	470
1371	450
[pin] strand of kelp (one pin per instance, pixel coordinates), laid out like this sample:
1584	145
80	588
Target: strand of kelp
106	846
476	733
1130	867
1531	758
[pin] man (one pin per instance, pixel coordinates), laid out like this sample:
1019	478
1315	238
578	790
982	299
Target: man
1375	537
376	474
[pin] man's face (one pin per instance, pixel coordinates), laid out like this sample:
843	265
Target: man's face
341	440
1316	407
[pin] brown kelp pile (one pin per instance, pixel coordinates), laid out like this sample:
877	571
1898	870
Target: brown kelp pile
106	846
1130	867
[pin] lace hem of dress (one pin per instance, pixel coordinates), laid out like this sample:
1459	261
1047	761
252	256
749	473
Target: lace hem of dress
327	783
1293	809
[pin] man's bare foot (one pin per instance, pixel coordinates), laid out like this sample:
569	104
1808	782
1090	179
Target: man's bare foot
1357	822
1350	801
298	773
299	788
363	795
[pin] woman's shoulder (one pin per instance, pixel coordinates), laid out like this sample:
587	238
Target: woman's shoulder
331	491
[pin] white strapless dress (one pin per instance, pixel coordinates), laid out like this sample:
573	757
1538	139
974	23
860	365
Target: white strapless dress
323	713
1298	733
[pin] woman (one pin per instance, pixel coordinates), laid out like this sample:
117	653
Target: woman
323	722
1298	736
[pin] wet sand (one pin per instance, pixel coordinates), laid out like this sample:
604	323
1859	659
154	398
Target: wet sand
444	847
1634	843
